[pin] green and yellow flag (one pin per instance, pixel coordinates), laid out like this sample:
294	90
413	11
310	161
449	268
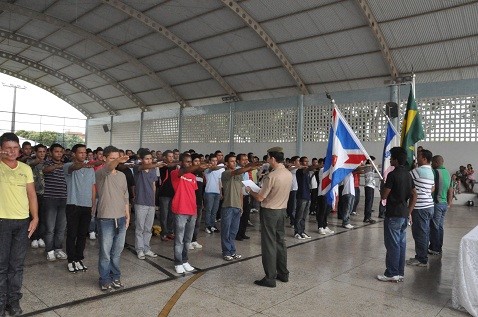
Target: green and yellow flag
412	128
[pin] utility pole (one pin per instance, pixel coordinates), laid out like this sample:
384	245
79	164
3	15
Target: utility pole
14	101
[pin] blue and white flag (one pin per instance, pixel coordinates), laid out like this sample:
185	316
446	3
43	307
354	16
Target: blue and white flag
391	140
344	154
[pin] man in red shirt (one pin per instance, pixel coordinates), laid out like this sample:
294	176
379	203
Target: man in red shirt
184	209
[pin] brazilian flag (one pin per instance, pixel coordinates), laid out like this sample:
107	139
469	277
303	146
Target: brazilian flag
412	128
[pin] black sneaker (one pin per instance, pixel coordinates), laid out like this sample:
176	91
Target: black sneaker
14	309
214	229
117	284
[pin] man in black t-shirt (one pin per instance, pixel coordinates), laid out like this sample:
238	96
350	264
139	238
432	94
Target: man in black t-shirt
165	196
400	193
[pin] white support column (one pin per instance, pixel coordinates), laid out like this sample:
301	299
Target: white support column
300	125
111	130
232	107
141	118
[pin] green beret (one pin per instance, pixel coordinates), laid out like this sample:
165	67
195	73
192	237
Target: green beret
275	149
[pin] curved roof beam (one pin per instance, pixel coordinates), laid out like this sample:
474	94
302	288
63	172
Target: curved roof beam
377	32
253	24
75	60
57	74
49	89
135	14
98	40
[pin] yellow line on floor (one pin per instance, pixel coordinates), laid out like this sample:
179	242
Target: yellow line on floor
173	300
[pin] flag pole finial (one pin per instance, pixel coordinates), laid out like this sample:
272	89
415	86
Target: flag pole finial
332	101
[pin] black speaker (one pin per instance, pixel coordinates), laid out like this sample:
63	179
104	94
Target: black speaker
105	128
391	109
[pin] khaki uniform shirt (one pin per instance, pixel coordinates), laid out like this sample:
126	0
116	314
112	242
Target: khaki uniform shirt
276	187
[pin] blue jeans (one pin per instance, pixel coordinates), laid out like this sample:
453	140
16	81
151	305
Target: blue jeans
112	233
395	240
14	245
436	227
230	218
183	233
211	203
166	217
302	211
55	222
347	206
421	232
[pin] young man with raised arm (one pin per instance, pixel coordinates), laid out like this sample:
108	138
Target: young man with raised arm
81	190
232	205
112	217
185	210
144	206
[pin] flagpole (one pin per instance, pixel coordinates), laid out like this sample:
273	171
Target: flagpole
357	141
415	97
389	120
413	85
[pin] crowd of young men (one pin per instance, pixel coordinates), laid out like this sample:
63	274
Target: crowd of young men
92	192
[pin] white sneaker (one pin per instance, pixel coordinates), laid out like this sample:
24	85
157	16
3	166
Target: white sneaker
195	245
298	236
41	243
71	267
50	256
79	267
92	235
179	269
349	226
190	246
60	254
151	254
141	255
188	267
34	244
322	231
328	231
396	278
306	236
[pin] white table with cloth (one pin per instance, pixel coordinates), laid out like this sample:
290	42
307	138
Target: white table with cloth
465	281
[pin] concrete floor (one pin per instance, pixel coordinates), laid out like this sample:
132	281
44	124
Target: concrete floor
330	276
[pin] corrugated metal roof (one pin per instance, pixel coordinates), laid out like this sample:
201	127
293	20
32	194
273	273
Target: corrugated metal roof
257	59
328	43
269	9
355	41
317	21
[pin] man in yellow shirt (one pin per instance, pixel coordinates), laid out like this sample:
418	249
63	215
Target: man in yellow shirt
18	201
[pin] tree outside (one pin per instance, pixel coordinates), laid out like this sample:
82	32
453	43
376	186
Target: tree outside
49	137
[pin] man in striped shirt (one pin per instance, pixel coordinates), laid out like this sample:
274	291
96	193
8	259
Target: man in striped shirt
424	181
54	202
